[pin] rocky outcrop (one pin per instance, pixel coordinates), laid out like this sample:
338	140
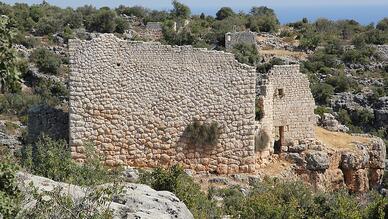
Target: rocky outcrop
8	141
381	112
357	169
134	201
329	122
317	160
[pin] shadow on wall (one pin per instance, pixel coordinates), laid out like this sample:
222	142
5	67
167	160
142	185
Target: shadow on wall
43	119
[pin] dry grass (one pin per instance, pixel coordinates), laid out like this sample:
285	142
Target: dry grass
285	53
338	140
275	168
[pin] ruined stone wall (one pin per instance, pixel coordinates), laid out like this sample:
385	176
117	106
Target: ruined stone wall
134	100
293	109
245	37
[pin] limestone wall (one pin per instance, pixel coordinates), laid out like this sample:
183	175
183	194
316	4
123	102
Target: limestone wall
292	107
133	100
245	37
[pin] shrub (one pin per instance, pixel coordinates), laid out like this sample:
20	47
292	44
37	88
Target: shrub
320	110
176	181
246	53
18	104
47	26
94	204
322	92
344	118
46	61
9	192
9	72
52	159
224	12
362	117
263	19
383	24
121	25
180	10
340	83
258	113
202	134
103	21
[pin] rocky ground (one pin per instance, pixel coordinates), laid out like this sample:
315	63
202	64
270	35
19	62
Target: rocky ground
133	200
333	161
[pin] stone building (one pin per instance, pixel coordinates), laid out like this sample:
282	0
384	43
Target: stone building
234	38
287	108
134	100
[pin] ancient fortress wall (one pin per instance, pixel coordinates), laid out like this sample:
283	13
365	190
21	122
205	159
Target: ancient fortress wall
287	101
134	100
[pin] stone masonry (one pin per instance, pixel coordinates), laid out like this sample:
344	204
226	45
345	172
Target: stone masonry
234	38
286	101
134	100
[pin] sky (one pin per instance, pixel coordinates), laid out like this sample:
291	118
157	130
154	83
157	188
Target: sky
364	11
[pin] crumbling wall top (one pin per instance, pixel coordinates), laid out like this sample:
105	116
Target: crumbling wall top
285	69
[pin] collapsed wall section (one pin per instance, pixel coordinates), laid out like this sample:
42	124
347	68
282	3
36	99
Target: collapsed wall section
134	100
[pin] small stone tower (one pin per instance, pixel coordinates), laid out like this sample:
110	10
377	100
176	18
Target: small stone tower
287	107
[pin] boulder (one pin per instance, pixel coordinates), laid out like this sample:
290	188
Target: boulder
354	161
377	154
131	174
134	200
329	122
317	160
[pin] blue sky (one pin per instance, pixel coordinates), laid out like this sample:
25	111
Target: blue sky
364	11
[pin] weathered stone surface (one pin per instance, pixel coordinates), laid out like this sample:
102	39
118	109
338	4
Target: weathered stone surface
329	122
377	154
235	38
317	160
286	103
135	201
131	174
351	160
357	180
134	100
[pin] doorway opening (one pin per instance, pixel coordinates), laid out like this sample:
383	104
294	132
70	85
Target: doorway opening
279	139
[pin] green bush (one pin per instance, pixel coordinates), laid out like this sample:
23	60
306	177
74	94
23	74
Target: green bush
246	53
48	26
178	182
344	118
224	12
320	110
47	61
18	104
94	204
340	82
52	159
9	192
202	134
322	92
263	19
9	71
103	21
